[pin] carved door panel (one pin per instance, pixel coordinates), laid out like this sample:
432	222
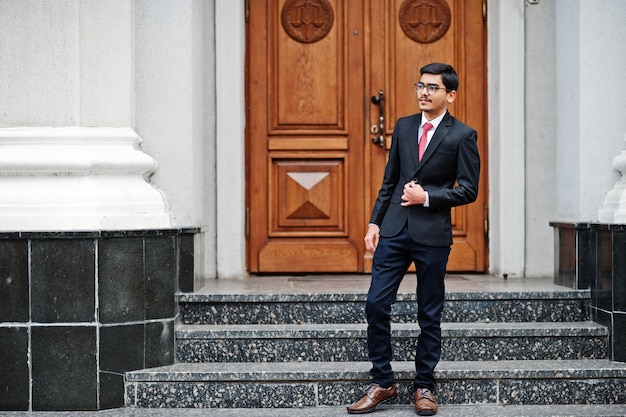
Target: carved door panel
305	136
313	170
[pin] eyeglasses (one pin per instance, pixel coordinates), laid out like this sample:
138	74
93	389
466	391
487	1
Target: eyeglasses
431	88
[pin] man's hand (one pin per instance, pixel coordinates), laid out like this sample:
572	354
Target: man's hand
371	237
413	194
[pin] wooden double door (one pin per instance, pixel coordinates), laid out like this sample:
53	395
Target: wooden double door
325	82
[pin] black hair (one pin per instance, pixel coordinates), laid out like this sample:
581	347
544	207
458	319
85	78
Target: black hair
448	74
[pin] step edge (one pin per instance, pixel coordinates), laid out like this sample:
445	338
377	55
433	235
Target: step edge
338	331
325	371
547	295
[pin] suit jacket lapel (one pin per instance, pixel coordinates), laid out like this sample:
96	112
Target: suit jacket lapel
413	133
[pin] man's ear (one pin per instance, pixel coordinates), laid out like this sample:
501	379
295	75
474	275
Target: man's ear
451	96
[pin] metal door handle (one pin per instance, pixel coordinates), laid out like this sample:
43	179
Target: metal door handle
380	129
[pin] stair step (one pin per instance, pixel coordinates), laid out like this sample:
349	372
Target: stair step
314	384
347	342
385	410
254	347
564	305
477	410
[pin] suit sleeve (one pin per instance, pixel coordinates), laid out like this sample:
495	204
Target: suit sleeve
390	181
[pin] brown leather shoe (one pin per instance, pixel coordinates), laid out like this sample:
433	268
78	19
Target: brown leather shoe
373	397
425	403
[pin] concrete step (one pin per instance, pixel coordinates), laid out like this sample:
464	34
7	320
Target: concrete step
347	342
316	384
562	305
386	410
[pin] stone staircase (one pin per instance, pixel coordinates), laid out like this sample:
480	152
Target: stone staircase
260	349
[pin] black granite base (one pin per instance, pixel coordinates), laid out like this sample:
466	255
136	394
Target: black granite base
591	256
79	309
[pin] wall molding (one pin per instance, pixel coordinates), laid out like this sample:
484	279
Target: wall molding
76	178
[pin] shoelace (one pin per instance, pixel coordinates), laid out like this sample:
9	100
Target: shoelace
369	390
425	393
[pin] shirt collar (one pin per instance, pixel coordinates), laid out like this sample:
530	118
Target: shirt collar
435	122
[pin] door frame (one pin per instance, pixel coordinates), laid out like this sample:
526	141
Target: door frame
505	50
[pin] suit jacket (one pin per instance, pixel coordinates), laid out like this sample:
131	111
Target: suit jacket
449	172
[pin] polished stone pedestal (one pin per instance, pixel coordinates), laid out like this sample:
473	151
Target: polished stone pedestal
79	309
593	256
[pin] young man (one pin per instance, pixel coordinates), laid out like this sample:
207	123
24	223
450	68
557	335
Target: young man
433	166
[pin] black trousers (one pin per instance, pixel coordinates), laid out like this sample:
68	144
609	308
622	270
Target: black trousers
391	261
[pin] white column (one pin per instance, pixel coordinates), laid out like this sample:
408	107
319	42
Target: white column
540	130
506	137
568	114
590	121
69	157
230	139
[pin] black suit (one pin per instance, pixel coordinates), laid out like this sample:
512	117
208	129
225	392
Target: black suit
449	173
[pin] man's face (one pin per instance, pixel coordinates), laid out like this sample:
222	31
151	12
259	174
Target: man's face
434	104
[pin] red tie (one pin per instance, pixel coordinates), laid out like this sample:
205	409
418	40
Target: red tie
422	143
